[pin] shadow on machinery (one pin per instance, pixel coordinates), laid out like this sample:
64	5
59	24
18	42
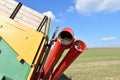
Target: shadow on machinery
64	77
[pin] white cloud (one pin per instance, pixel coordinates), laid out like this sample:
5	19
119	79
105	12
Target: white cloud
94	6
70	9
52	16
108	38
58	20
49	14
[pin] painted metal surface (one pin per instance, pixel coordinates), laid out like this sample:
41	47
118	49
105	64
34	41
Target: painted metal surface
24	40
22	14
21	36
77	48
64	41
10	67
53	59
36	65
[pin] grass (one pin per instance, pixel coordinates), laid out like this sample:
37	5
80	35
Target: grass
96	64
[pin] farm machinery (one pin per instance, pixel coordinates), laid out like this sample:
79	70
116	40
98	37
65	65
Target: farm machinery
26	51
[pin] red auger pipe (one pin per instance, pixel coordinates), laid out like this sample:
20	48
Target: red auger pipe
66	36
77	48
64	40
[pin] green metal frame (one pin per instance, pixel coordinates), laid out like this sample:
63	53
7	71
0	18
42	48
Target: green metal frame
10	67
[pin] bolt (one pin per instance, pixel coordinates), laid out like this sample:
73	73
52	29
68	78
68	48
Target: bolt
26	38
1	26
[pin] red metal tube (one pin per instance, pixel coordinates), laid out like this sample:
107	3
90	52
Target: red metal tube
66	36
64	40
77	48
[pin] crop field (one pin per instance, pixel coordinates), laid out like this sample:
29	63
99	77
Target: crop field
95	64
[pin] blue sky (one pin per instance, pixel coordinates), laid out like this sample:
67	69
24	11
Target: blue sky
97	22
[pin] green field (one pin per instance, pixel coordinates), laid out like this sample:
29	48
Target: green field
96	64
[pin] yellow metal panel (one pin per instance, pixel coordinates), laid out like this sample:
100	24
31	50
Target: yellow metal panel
24	40
37	61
